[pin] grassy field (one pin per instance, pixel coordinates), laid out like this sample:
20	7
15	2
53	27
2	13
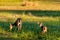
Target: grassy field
19	2
30	29
30	5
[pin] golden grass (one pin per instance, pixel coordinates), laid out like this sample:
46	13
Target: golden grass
7	16
41	5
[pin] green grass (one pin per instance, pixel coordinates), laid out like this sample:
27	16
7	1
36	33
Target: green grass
30	29
34	12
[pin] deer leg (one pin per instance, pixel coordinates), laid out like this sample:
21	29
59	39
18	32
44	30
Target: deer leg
19	27
11	26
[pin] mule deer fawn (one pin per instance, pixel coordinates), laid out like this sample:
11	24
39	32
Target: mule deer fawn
43	28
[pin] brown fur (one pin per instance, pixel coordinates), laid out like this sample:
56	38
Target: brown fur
17	23
43	28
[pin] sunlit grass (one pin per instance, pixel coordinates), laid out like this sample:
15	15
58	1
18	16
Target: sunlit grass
6	16
30	30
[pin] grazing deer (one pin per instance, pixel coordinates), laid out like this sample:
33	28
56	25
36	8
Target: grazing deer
43	28
17	23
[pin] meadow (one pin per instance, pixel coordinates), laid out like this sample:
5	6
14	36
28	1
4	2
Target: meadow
30	28
30	5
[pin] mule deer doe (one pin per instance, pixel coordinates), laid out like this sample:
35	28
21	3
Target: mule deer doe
17	23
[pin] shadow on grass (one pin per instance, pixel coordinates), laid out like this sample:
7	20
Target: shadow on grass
35	12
